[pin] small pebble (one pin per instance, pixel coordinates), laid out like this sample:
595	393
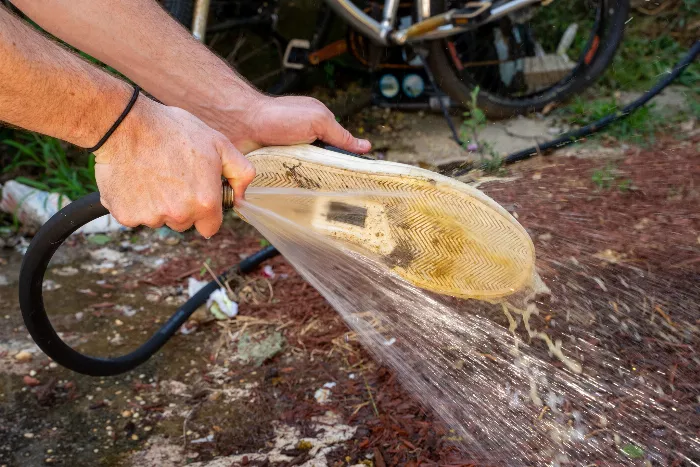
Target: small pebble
29	435
23	356
126	414
31	382
53	365
32	373
147	428
134	437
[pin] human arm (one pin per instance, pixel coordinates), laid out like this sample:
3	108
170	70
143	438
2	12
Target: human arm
139	39
162	165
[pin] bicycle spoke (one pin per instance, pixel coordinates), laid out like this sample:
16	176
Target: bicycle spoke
250	55
239	43
261	79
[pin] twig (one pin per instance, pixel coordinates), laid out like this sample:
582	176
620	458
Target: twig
595	432
658	309
184	428
225	287
369	391
358	407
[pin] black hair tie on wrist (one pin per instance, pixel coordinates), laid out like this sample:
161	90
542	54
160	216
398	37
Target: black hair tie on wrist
121	118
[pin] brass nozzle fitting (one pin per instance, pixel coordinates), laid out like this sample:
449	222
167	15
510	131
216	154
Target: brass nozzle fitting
227	200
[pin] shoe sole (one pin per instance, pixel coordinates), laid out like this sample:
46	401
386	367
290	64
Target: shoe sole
433	231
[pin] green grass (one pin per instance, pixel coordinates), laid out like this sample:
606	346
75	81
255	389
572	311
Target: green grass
45	164
608	177
637	128
642	60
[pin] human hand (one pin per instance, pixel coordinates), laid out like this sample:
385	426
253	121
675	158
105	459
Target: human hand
270	121
163	166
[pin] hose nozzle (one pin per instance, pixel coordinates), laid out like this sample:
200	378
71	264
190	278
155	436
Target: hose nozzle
228	199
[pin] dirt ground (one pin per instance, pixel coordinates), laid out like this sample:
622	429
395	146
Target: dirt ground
285	383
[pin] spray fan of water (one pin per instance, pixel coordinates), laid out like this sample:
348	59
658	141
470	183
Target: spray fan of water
516	387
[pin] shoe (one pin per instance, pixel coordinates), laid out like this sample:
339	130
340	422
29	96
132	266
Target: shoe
435	232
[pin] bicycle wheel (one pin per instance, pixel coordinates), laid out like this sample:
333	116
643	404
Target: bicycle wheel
252	36
181	10
532	57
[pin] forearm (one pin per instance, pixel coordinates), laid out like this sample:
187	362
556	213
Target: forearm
139	39
47	89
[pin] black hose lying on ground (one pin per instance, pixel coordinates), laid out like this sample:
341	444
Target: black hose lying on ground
45	243
573	136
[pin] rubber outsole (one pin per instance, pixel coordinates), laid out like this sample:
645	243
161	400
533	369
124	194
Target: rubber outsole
433	231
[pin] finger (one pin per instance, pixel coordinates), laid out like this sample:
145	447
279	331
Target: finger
179	226
334	134
154	222
208	209
209	225
237	169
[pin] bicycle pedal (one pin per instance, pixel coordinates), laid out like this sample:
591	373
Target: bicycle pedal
296	55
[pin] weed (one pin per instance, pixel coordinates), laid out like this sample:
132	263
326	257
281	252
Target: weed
609	177
474	121
641	61
45	161
492	163
638	127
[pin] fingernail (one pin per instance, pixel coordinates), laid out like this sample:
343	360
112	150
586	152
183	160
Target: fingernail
364	145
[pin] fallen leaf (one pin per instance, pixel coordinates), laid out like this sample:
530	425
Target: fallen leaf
99	239
635	452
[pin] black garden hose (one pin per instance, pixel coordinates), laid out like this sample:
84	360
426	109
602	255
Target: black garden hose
45	243
31	301
573	136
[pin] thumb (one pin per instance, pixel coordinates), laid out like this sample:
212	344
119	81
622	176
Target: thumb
236	168
333	133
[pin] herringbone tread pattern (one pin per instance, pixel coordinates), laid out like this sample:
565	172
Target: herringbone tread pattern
451	242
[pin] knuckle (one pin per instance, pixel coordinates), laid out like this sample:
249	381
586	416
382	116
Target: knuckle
178	217
248	172
207	201
153	222
179	227
124	218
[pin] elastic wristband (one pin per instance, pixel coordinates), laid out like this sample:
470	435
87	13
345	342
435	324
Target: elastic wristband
121	118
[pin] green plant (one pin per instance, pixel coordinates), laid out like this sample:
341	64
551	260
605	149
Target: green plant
609	177
44	161
492	163
642	60
474	121
639	127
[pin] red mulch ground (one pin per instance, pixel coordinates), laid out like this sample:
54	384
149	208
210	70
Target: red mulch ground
651	223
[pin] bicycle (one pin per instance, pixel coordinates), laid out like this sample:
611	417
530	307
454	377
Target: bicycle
522	54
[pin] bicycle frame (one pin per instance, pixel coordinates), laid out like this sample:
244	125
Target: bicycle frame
428	27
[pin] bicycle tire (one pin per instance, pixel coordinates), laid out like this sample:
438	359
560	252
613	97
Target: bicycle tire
182	11
495	106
